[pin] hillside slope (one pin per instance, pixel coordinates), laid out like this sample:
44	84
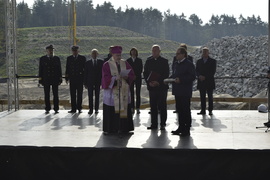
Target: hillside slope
32	43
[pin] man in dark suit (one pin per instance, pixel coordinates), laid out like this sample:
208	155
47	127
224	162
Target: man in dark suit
205	71
190	58
184	75
156	69
92	79
75	76
50	74
137	66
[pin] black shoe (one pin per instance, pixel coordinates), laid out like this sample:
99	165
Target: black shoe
267	124
149	112
152	127
174	111
162	128
210	113
96	112
138	111
79	110
185	134
56	112
72	111
201	113
47	112
125	132
90	112
176	132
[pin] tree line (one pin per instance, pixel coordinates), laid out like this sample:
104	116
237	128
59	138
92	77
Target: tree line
147	21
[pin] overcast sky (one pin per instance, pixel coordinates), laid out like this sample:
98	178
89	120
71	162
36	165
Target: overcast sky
202	8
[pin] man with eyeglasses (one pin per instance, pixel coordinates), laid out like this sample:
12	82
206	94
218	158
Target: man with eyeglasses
184	75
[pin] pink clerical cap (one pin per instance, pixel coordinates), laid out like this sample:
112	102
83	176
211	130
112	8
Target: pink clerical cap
116	50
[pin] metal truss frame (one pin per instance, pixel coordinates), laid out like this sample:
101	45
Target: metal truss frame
11	54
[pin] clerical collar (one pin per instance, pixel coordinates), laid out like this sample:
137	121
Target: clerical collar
133	59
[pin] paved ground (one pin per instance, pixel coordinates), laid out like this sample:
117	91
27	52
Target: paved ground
226	129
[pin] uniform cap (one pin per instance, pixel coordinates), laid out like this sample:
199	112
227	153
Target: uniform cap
74	48
50	47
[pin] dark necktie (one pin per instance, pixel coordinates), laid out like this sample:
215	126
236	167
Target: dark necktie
95	62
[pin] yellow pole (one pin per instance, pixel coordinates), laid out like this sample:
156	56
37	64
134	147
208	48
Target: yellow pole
74	22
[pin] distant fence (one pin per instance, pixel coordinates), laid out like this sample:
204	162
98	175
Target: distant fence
66	103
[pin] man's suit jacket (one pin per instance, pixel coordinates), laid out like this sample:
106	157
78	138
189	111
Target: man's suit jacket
185	71
93	74
159	66
208	70
50	71
137	67
75	68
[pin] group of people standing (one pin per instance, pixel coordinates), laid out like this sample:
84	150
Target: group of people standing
79	73
121	80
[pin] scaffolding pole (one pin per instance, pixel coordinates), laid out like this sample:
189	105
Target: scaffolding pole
11	55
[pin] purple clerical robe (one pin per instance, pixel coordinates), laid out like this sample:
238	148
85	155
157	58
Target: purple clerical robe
108	82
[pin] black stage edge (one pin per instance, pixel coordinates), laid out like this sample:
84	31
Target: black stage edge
131	163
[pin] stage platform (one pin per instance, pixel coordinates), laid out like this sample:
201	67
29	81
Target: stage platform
227	145
226	129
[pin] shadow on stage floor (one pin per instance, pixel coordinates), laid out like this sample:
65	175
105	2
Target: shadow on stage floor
34	145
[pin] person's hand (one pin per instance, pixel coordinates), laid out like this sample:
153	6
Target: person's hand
118	77
177	80
125	77
85	86
67	81
201	78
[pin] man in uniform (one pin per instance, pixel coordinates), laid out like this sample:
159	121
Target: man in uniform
50	74
75	76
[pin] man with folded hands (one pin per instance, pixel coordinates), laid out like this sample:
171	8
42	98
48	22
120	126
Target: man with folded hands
156	69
